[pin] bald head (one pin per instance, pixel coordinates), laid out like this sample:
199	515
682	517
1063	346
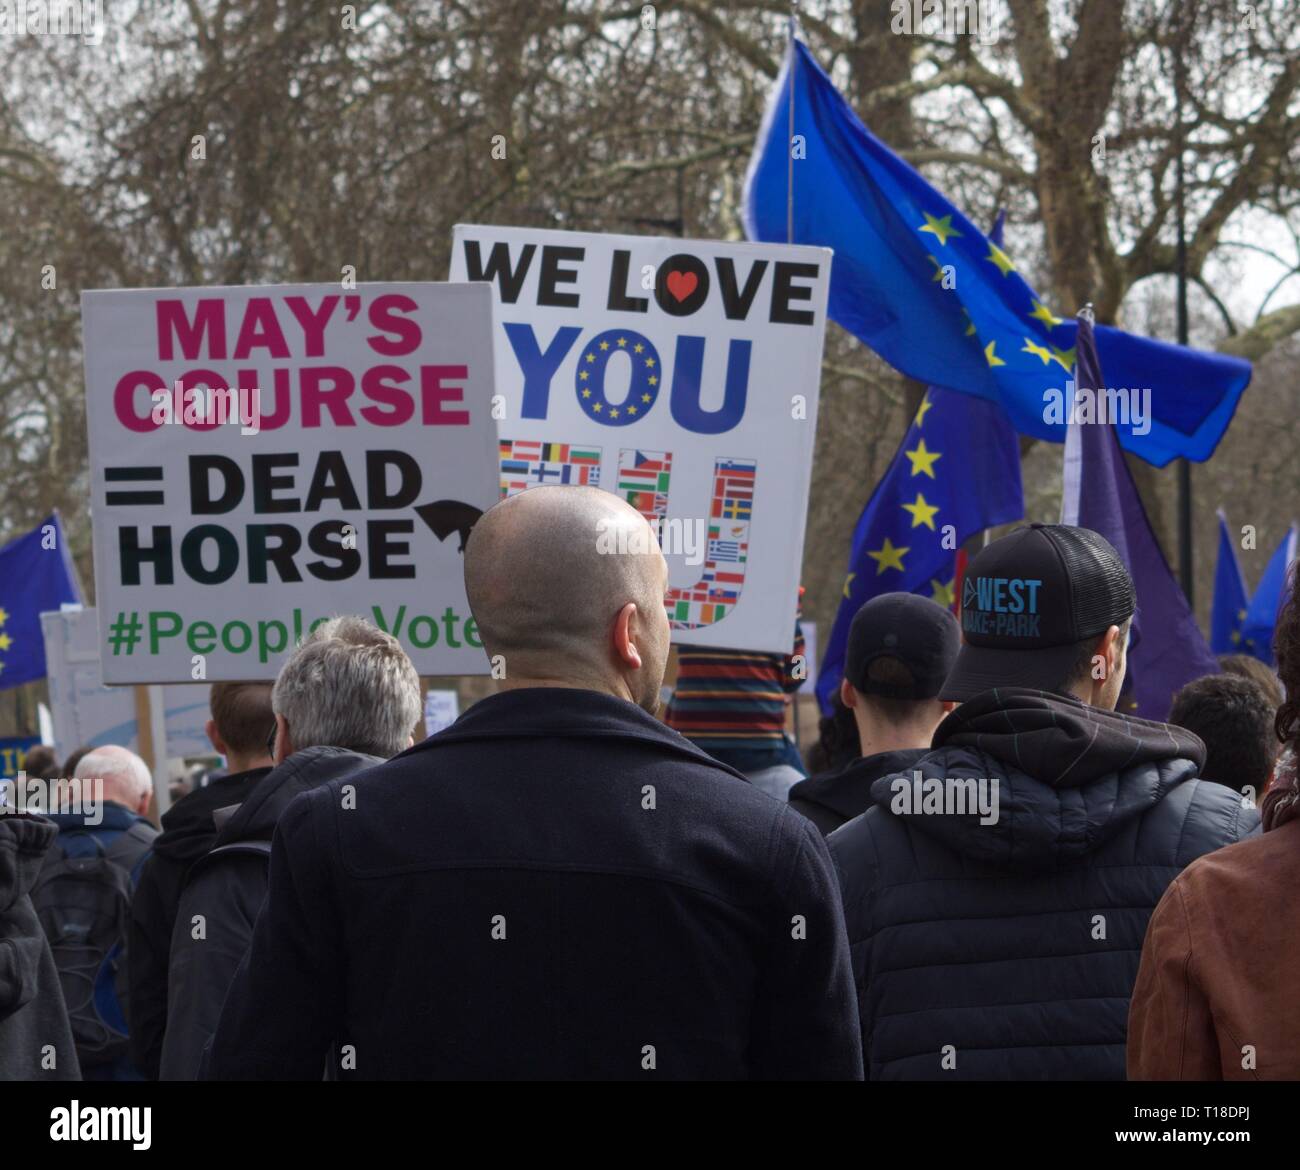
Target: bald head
550	574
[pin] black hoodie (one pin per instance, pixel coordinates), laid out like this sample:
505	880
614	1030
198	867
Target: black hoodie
224	892
831	799
188	833
1002	941
35	1036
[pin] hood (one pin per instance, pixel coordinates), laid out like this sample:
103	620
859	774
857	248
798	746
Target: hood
188	826
255	818
846	791
24	838
1027	779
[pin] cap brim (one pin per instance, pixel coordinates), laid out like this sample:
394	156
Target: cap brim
981	668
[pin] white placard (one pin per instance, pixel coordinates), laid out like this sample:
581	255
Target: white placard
682	375
338	472
441	709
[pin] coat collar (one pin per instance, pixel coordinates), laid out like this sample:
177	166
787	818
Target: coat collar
564	712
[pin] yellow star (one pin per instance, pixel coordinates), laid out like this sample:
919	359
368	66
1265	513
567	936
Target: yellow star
646	397
653	382
4	616
943	594
631	410
1039	351
622	341
598	408
591	357
5	641
923	460
1064	356
992	357
970	325
1045	315
604	345
586	393
922	513
650	363
847	582
888	557
583	375
638	347
613	412
919	420
1000	258
939	227
938	269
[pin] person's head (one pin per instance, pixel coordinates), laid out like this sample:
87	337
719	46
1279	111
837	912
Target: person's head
567	585
40	762
1234	718
1286	653
241	723
1049	607
117	774
899	652
1251	668
70	764
350	685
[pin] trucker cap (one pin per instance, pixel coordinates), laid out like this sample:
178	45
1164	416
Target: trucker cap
921	635
1028	600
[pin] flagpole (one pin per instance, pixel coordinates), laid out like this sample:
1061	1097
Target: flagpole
1185	567
789	138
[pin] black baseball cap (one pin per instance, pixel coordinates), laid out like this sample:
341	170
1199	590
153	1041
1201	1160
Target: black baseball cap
1028	600
919	633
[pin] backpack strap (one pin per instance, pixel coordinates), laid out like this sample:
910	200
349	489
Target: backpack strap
263	848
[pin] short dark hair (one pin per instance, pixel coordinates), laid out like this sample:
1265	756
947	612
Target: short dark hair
892	672
1234	717
1256	671
1081	669
40	762
242	713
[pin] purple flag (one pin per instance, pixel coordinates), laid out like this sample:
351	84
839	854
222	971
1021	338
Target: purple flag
1167	648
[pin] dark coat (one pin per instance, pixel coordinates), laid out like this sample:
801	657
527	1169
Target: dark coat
831	799
35	1036
188	833
556	886
226	889
1009	950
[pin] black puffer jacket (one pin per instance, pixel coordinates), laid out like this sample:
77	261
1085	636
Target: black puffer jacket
35	1036
225	890
1008	950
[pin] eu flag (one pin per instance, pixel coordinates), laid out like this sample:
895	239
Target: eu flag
36	575
1228	610
956	473
916	281
1270	595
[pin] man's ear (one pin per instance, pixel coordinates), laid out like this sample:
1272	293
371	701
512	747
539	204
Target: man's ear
283	744
848	696
949	706
625	636
218	744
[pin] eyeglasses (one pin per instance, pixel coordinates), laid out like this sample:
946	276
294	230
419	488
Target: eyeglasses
270	741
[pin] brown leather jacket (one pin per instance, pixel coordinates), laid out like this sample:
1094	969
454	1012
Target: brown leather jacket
1218	991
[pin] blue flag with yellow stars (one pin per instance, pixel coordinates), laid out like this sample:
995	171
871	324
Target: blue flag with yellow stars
36	575
1270	596
1228	609
916	281
956	473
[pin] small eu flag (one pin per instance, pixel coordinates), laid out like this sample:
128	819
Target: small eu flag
956	473
1228	610
36	575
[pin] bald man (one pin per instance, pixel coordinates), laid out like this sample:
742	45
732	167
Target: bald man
557	886
101	815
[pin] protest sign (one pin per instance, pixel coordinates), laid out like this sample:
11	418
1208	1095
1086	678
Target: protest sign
264	458
680	374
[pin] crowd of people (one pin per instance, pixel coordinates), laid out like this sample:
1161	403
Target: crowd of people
993	872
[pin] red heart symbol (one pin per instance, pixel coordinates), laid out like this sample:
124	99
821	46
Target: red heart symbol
681	284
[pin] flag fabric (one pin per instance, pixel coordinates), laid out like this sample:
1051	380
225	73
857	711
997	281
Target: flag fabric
1270	595
1167	648
1228	609
958	466
36	575
916	281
